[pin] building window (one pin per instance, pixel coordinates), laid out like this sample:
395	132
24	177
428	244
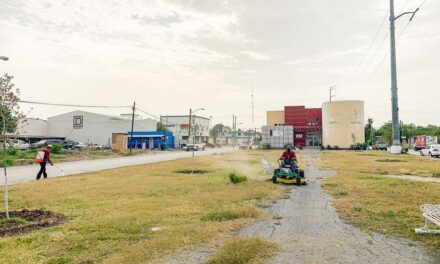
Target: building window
78	122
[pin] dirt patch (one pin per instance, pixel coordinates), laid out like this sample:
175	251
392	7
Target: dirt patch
192	171
26	221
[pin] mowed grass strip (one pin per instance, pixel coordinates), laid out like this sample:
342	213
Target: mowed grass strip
244	251
376	203
111	213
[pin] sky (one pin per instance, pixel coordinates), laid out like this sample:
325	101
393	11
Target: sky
173	55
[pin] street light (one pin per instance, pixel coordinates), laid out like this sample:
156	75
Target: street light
4	58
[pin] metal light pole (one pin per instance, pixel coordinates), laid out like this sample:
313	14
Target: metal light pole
132	126
396	147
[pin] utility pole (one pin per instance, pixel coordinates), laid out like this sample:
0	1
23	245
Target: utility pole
189	126
331	95
396	147
234	118
132	126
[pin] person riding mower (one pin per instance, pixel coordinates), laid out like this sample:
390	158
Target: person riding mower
288	171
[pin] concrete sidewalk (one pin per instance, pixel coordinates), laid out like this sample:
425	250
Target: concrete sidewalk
28	173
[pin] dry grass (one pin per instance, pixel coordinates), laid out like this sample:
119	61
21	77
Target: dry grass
376	203
380	162
111	213
244	251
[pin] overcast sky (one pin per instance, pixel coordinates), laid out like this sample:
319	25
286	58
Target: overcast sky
173	55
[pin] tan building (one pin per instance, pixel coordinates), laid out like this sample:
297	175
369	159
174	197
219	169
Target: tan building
275	118
343	123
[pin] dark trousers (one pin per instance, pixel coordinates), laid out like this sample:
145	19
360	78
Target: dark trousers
42	170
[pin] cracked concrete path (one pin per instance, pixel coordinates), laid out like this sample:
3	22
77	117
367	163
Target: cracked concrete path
310	231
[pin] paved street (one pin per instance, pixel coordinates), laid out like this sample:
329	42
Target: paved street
28	173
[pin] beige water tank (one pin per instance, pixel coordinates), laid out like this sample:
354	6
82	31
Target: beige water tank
343	123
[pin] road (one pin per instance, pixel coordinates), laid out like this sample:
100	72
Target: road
19	174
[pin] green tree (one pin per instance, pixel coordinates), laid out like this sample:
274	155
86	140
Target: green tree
10	115
161	126
369	132
218	130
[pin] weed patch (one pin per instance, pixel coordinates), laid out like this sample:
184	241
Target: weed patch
436	174
244	251
235	177
220	216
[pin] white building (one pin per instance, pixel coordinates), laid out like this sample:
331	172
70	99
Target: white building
179	125
33	127
85	127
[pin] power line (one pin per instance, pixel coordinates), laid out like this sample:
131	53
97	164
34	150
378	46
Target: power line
73	105
384	57
378	48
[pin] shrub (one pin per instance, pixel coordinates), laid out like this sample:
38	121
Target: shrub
404	150
236	177
12	151
57	148
436	174
328	147
9	162
266	146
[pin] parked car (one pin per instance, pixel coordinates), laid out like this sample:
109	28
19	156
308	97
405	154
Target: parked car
70	144
197	146
19	144
433	151
43	143
380	146
245	145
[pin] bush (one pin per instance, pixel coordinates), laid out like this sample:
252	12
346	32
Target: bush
359	146
9	162
404	150
266	146
237	178
57	148
12	151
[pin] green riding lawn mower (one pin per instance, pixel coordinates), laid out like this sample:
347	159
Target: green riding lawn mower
288	176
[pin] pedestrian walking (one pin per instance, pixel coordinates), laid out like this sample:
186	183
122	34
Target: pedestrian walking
43	156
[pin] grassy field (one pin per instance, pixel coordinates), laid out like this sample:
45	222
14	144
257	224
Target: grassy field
112	213
376	203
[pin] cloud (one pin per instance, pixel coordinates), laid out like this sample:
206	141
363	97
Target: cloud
256	56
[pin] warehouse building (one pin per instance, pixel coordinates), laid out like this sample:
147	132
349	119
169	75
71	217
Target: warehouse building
84	127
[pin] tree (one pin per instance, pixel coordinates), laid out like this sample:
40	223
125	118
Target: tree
369	132
218	130
10	115
161	126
